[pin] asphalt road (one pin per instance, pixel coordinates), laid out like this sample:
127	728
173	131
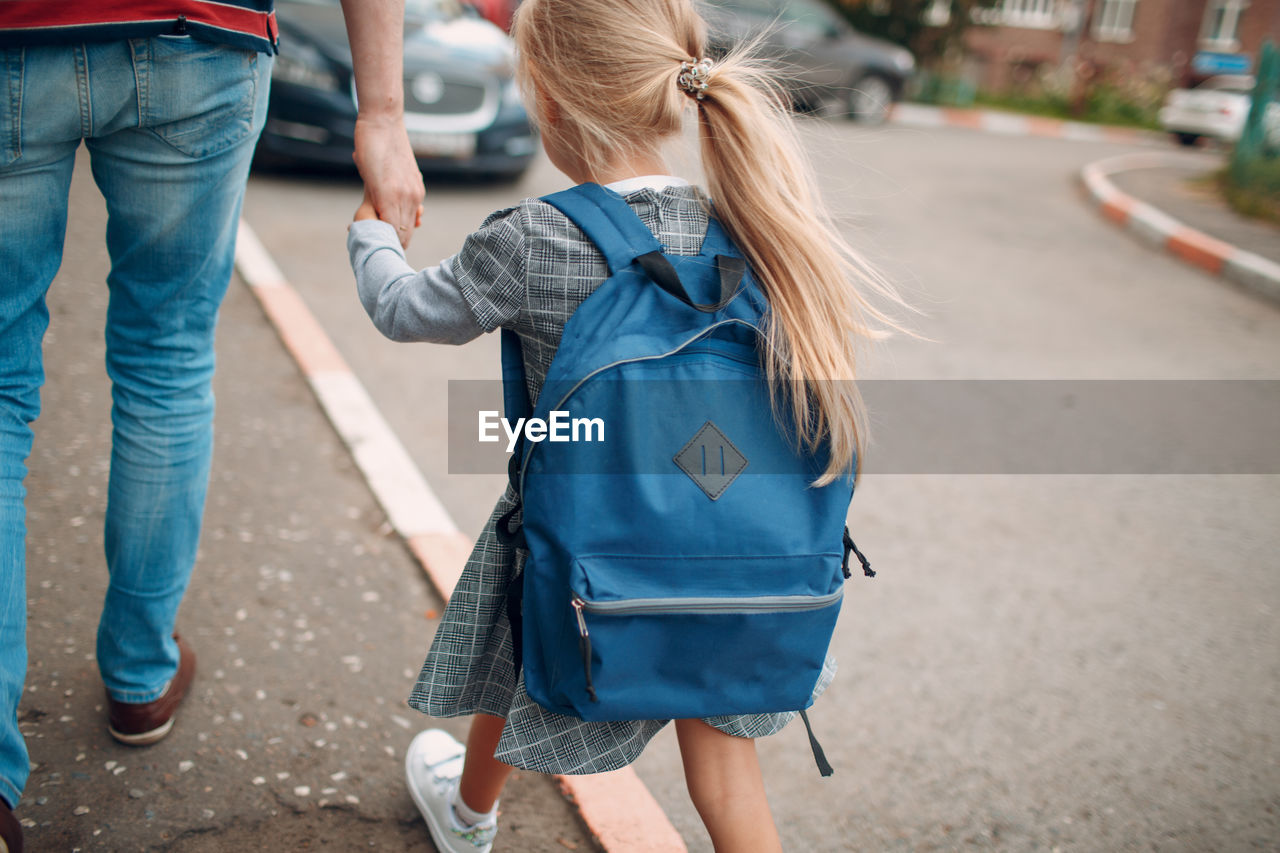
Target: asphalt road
1045	662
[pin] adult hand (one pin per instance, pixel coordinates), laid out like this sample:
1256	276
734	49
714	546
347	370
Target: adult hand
375	30
391	176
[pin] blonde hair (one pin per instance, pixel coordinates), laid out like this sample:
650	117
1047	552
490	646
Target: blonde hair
611	68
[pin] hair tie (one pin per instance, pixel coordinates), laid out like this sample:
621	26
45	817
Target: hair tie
694	77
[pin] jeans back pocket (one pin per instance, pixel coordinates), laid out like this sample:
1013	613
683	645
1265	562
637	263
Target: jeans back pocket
200	97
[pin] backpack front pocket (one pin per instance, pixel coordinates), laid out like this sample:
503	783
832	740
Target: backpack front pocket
675	637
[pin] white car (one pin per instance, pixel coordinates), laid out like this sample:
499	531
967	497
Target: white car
1216	108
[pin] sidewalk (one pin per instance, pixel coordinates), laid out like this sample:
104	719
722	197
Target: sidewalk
1163	198
309	619
1188	193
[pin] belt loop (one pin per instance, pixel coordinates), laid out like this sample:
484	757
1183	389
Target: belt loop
139	57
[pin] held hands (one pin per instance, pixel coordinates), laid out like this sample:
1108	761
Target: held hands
393	182
368	210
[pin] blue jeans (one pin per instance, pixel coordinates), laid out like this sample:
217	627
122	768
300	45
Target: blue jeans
170	124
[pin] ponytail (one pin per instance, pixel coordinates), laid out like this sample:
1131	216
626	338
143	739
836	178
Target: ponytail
765	196
623	73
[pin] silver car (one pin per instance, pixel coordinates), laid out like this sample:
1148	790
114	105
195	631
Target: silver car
826	61
1216	108
462	109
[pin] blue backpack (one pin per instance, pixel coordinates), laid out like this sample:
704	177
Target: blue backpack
680	562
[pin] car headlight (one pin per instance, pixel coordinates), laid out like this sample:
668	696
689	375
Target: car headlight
305	67
904	60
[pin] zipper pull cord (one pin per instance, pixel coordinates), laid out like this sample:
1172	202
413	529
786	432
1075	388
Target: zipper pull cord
584	647
824	766
850	547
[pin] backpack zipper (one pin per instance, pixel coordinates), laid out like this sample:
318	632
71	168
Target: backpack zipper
584	645
690	605
705	605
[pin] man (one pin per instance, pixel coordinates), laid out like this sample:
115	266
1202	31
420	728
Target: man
169	99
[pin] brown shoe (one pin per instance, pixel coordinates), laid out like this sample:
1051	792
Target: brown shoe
148	722
10	830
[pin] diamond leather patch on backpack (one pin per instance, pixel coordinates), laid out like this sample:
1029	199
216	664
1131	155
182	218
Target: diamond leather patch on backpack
711	460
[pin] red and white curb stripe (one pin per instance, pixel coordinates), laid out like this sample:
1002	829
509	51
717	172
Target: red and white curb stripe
616	807
1014	124
1161	230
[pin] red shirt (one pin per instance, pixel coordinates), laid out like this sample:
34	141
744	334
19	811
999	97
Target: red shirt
498	11
243	23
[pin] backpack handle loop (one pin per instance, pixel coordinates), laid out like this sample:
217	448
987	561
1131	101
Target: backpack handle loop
659	268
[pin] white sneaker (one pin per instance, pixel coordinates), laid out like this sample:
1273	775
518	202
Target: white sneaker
433	766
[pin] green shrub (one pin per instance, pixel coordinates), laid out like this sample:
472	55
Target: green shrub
1254	188
1103	104
1109	104
1127	94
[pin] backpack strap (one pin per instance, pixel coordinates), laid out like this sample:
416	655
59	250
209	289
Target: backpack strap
515	390
608	221
623	238
515	402
717	241
824	766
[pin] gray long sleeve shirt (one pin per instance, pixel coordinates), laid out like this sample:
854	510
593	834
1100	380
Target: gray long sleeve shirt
407	304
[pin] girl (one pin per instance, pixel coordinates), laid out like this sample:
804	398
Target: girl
611	81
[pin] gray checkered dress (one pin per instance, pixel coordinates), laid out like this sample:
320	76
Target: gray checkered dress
528	268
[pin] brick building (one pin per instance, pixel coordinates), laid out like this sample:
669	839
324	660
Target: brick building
1182	40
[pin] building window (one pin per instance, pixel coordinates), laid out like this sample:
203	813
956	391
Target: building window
1029	14
1114	21
1221	21
937	13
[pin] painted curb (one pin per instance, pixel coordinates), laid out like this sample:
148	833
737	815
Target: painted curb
1016	124
619	807
1159	229
616	807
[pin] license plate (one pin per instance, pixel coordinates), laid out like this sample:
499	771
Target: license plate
429	144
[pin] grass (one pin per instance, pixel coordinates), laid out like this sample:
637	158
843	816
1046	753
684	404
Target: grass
1103	105
1252	188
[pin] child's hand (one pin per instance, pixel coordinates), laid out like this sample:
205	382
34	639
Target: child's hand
365	210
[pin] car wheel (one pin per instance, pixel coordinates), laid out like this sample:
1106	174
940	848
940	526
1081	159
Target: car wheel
1187	139
870	99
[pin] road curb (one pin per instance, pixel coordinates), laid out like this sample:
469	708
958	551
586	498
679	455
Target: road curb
616	807
1162	231
1016	124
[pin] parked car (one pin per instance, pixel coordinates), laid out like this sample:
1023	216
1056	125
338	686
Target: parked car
825	60
1215	108
462	107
